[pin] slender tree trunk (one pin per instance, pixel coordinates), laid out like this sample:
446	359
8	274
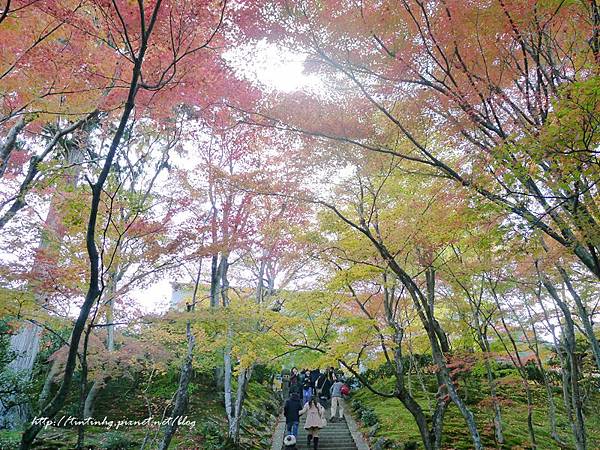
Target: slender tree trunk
111	290
439	345
182	397
485	348
242	390
185	376
7	146
215	281
83	387
223	275
25	344
535	348
94	290
431	437
583	314
571	369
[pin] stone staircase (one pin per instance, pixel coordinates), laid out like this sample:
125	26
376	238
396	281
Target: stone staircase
335	436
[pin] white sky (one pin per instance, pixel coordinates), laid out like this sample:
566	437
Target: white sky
276	70
274	67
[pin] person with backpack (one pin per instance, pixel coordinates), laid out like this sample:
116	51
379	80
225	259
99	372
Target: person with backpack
315	420
307	388
337	400
291	411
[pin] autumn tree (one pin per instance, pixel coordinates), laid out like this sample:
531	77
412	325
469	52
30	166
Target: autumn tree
519	111
145	75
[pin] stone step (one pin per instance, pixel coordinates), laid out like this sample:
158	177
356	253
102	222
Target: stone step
329	437
328	445
334	436
329	433
341	435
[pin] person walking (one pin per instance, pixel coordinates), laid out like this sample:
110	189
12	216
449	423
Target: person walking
324	387
315	420
294	383
337	400
291	411
307	388
314	376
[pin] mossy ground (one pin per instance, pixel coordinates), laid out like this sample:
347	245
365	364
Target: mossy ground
126	399
397	424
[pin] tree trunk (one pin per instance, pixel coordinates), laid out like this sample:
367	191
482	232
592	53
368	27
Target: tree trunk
83	387
215	281
223	271
111	289
571	369
25	344
93	290
243	379
583	314
516	360
8	145
182	397
485	348
550	399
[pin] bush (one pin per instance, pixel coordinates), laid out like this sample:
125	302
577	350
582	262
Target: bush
212	436
10	440
115	440
263	374
368	417
356	406
411	445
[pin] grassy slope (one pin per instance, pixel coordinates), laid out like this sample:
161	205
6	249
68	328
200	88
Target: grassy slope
125	400
397	424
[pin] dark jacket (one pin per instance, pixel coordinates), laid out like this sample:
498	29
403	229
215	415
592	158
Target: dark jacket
292	408
308	384
327	387
321	381
314	376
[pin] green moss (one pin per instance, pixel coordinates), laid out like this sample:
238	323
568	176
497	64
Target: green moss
397	424
9	439
125	399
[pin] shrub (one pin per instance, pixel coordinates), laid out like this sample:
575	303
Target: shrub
410	445
115	440
356	405
212	436
263	374
368	417
10	440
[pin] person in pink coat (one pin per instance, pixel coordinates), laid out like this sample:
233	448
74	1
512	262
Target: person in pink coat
315	420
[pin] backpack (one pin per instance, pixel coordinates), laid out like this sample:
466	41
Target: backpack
345	389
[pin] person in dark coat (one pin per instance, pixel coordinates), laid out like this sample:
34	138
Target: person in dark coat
314	376
291	411
307	388
324	384
294	383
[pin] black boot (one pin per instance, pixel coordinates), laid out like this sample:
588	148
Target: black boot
308	439
315	443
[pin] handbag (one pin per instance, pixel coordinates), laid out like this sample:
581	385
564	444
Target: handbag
323	418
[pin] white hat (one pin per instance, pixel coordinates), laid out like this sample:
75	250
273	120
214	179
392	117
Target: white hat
289	440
